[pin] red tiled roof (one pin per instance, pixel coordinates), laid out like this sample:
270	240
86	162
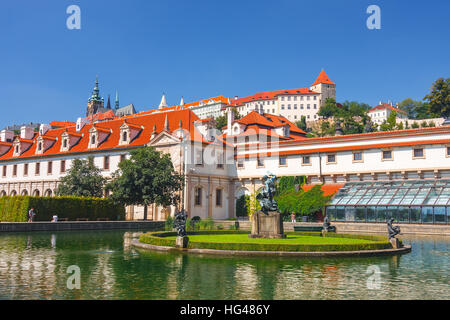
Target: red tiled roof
269	120
147	121
384	106
322	78
345	148
62	124
270	95
328	189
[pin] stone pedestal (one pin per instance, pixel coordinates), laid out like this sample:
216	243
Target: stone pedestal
395	243
268	225
182	242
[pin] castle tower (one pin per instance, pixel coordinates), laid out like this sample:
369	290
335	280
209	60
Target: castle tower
325	87
95	101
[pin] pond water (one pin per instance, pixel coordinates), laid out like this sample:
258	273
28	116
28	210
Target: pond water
34	266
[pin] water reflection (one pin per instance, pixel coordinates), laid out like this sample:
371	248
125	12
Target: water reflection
32	267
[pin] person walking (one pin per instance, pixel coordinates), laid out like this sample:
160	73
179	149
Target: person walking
31	215
293	217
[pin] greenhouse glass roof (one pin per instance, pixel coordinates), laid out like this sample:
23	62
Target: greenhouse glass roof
394	193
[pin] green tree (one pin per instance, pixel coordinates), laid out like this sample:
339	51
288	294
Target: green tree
302	202
83	179
301	123
221	121
252	205
415	125
147	177
439	98
241	206
410	106
391	122
329	109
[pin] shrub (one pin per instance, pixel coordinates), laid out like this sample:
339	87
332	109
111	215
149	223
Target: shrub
14	209
168	225
158	238
206	224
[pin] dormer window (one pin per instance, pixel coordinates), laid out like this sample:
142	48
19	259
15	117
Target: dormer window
98	136
16	149
69	139
39	148
128	132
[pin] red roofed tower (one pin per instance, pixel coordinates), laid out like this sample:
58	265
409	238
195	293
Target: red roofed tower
325	87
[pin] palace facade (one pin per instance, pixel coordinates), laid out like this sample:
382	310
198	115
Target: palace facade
220	167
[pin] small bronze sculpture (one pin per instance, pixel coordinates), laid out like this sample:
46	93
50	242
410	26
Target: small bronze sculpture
180	223
326	224
392	231
265	195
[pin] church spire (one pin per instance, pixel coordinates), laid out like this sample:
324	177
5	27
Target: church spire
108	105
182	101
163	103
117	100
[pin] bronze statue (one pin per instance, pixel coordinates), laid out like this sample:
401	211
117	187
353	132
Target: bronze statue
180	223
326	224
392	231
265	195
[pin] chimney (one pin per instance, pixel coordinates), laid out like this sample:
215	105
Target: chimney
6	136
230	120
80	123
43	129
26	132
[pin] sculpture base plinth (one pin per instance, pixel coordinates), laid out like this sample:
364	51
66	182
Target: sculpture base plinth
395	243
268	225
182	242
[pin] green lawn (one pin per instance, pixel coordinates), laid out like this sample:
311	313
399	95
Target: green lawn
291	239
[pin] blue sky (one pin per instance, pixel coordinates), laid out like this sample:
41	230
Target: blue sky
203	48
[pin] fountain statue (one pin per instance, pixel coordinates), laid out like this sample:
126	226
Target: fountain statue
392	232
180	225
267	223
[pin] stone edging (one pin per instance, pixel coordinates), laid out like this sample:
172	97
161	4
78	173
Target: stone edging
78	225
361	253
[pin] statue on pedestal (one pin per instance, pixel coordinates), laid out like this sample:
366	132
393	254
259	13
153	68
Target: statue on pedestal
267	223
265	195
392	231
180	225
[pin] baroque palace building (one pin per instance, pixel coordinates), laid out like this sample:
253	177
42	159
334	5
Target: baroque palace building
220	167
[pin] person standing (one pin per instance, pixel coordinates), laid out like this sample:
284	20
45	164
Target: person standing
293	217
31	215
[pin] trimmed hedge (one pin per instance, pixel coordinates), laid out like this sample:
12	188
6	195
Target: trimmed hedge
14	209
158	238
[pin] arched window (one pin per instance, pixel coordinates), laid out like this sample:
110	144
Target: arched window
48	193
3	193
24	192
36	193
13	193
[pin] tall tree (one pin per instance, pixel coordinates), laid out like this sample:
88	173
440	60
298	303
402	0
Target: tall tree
147	177
439	98
410	106
301	123
83	179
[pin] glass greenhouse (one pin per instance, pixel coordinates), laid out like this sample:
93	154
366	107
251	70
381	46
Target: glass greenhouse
414	201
